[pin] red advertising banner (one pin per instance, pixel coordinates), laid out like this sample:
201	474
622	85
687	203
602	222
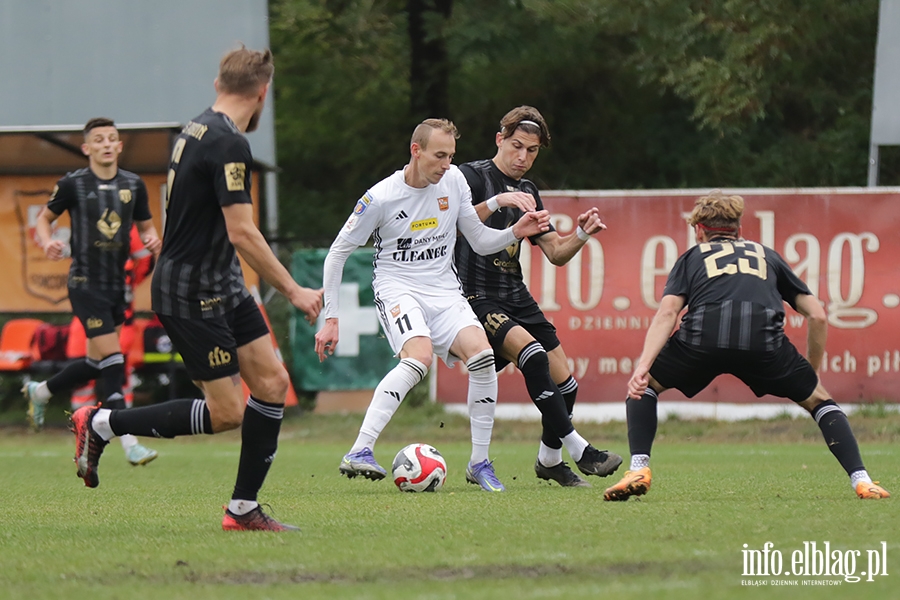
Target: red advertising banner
842	242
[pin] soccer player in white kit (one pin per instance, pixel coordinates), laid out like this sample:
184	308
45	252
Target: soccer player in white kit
413	217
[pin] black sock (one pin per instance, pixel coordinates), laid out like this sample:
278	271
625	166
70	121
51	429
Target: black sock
569	390
259	441
641	415
535	367
75	374
838	435
112	375
166	420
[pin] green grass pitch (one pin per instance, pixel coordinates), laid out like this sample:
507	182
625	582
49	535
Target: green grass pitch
154	531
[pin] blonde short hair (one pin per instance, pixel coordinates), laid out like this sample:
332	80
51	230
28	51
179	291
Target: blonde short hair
243	71
422	132
718	212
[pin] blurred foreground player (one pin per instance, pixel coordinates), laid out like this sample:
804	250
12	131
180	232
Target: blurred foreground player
200	297
735	292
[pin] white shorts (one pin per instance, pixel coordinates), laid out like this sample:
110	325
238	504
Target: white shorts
405	315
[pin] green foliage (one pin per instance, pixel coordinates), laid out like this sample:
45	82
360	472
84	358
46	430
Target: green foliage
638	94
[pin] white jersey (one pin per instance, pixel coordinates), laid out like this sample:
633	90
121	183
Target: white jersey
415	231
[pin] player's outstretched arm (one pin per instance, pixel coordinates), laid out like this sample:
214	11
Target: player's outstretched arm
560	250
250	243
657	335
332	273
817	327
532	223
521	200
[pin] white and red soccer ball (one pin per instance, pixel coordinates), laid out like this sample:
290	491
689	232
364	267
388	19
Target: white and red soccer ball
419	468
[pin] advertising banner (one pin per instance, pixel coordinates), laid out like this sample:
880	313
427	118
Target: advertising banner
363	355
842	242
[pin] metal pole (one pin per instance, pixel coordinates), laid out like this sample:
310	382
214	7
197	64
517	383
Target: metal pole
873	165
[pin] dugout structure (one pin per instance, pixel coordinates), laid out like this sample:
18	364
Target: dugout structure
32	159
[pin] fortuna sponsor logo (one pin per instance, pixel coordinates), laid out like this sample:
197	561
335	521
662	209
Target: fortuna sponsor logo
812	561
414	255
426	224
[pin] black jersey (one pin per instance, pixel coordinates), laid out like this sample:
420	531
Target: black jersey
101	213
497	275
198	274
735	293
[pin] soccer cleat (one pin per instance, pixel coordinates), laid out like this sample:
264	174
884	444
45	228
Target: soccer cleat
871	491
255	520
634	483
483	474
561	474
140	455
362	463
88	445
35	407
598	462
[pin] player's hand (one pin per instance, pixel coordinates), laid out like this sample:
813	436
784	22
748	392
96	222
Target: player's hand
55	249
308	301
638	383
327	339
521	200
590	221
152	243
532	223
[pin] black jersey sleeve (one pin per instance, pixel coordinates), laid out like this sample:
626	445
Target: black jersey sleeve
789	285
476	183
678	282
141	203
232	172
63	196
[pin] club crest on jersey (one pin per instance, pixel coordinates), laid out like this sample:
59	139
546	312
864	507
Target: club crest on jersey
425	224
125	196
443	203
234	176
109	224
362	204
395	311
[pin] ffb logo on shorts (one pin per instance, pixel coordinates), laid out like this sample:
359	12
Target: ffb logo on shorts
219	358
94	323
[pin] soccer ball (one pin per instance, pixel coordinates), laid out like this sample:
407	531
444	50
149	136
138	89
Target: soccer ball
419	468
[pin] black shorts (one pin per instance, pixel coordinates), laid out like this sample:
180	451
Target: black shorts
99	311
498	318
209	346
783	372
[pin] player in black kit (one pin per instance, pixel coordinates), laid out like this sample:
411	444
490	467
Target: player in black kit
103	201
517	328
735	292
199	295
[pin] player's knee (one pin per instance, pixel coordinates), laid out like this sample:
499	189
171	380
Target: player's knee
273	387
481	365
225	416
533	361
422	358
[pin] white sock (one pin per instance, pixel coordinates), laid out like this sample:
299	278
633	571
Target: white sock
857	476
41	393
100	424
575	444
482	401
241	507
549	457
128	441
639	461
386	400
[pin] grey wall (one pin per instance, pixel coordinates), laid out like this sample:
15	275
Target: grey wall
886	97
136	61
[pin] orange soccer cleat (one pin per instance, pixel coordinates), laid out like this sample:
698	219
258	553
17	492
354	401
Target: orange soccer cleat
871	491
634	483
